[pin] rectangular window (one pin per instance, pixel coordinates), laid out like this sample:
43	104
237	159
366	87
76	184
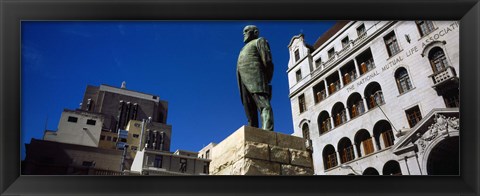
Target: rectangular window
72	119
391	44
183	165
88	163
135	135
425	27
114	139
301	103
158	161
91	122
207	154
413	116
109	138
331	53
102	137
345	42
133	148
318	62
297	55
298	75
361	31
206	165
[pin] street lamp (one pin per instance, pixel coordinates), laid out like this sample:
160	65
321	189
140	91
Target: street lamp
343	166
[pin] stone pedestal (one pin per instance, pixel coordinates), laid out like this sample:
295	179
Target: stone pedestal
254	151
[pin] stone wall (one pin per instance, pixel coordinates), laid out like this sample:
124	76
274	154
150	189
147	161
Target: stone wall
253	151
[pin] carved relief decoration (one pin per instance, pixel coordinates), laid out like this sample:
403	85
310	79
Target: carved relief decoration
441	126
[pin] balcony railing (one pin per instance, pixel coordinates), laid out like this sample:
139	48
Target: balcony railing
349	77
444	75
334	87
321	95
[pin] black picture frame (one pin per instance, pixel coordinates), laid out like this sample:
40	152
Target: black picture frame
12	12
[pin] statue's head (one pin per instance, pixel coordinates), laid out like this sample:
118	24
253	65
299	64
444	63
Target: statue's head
250	32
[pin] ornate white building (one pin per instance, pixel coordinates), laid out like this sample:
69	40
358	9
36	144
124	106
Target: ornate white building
379	97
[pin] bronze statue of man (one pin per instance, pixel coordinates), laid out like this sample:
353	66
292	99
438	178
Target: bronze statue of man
254	74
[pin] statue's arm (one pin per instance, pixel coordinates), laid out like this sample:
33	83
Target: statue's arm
266	55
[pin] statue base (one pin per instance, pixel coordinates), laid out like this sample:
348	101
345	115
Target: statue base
254	151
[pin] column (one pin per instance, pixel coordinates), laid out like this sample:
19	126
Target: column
347	111
375	146
326	88
355	150
338	158
356	67
340	78
365	107
331	122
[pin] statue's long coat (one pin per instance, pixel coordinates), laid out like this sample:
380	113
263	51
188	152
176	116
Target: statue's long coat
255	67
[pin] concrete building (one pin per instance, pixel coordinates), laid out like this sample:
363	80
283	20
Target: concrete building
379	97
55	158
106	121
77	127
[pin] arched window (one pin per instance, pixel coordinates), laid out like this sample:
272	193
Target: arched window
355	105
437	59
374	95
363	143
382	131
392	167
329	157
306	131
403	80
339	114
345	149
370	172
324	122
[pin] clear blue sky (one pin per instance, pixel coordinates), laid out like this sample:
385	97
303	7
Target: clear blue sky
190	64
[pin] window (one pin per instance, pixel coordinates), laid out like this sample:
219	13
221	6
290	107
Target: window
425	27
91	122
403	81
437	59
368	146
301	103
135	135
345	42
134	148
306	131
88	163
298	75
72	119
158	161
136	124
207	154
392	44
183	165
388	138
205	167
361	31
347	154
109	138
114	139
332	160
413	116
318	62
297	55
331	53
102	137
451	98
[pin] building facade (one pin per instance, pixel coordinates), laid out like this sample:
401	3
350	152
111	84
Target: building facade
378	97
